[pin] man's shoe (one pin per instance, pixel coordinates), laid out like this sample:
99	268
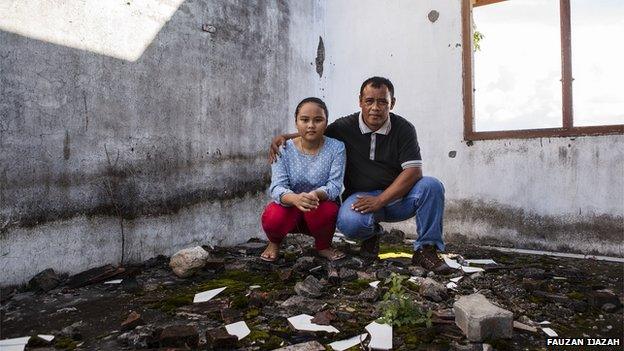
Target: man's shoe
427	257
370	246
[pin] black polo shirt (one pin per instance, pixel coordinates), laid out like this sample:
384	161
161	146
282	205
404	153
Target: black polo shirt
375	159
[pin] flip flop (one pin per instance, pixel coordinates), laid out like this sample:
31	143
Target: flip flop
335	256
268	259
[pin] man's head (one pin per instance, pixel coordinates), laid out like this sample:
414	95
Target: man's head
376	101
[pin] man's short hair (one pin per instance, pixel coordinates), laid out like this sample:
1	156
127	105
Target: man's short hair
377	82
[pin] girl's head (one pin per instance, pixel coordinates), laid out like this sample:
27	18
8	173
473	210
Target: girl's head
311	118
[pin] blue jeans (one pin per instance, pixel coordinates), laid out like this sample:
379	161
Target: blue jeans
425	201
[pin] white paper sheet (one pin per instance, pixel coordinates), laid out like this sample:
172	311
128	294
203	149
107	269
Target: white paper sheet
381	336
468	269
238	329
304	322
550	332
481	261
374	284
347	343
207	295
116	281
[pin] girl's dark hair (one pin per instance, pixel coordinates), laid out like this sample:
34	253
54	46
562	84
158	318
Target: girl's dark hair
315	100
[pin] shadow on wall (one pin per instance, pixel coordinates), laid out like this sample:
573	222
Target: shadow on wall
187	122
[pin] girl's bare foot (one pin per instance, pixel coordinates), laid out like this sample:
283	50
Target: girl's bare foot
271	252
331	254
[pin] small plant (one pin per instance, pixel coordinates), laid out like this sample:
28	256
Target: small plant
476	38
398	308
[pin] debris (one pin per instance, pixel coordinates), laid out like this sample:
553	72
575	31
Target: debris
72	331
456	279
15	344
468	269
305	346
253	287
347	274
238	329
544	323
323	317
387	255
94	275
45	281
450	262
141	337
430	288
599	298
304	264
381	336
557	254
303	322
480	261
524	327
347	343
479	319
451	285
116	281
251	248
309	287
304	304
220	339
132	321
187	262
395	236
207	295
179	335
374	284
550	332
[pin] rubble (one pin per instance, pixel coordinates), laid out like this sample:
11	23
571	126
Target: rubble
303	322
263	296
179	335
479	319
45	281
187	262
347	343
310	287
305	346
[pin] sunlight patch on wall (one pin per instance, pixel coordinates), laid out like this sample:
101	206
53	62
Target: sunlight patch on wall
121	29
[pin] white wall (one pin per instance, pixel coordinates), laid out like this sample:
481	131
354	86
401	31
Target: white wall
556	193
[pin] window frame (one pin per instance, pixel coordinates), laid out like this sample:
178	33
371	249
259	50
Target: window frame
568	129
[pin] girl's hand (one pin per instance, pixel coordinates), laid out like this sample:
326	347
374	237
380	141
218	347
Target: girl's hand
306	201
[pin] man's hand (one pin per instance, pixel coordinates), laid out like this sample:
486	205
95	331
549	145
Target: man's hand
305	202
367	204
274	149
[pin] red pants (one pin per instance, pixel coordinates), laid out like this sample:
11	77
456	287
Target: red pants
277	221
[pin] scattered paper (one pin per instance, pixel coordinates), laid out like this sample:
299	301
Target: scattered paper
395	255
523	326
451	262
456	279
560	278
468	269
18	344
481	261
253	287
451	285
381	336
550	332
304	322
544	323
238	329
374	284
347	343
15	344
116	281
207	295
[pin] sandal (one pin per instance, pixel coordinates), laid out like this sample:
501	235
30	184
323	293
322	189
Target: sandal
333	255
269	259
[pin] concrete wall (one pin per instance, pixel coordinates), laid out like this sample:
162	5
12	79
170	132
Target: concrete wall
127	131
118	145
554	193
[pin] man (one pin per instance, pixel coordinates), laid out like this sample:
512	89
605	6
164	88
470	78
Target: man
383	176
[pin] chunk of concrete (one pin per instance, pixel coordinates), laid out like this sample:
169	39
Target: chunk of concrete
309	287
179	335
46	280
479	319
187	262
